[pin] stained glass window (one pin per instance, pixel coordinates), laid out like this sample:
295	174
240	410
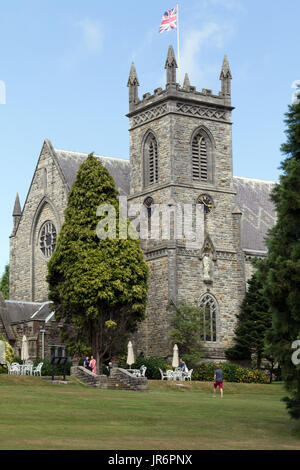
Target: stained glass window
48	239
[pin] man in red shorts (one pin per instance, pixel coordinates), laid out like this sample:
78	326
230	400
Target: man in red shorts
218	381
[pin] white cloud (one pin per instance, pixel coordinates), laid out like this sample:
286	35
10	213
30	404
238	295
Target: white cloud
194	42
235	5
92	34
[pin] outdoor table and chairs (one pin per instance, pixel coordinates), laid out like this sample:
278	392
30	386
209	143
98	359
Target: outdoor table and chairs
24	369
138	372
176	374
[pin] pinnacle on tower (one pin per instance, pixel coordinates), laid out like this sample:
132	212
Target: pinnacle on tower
17	207
225	72
225	77
133	79
133	84
171	66
186	83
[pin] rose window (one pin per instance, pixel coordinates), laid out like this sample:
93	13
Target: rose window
48	239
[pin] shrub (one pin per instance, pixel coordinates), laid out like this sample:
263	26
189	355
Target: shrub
9	355
153	364
232	373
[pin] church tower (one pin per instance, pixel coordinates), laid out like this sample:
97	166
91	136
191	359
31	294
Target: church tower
181	153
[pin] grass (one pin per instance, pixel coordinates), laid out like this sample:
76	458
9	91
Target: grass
35	414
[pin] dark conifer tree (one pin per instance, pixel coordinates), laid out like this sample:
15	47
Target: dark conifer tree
282	268
98	286
253	323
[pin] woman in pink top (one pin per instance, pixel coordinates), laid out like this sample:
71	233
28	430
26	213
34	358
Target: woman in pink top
93	364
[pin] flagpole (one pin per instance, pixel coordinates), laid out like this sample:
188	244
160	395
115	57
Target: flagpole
178	55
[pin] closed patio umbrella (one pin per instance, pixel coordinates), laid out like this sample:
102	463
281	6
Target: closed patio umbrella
175	360
24	349
130	355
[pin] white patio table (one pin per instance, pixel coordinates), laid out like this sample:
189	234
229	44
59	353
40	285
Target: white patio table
26	369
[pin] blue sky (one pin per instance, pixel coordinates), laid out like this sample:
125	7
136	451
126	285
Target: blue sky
65	66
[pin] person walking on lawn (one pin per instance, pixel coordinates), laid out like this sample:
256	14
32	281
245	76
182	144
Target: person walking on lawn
218	381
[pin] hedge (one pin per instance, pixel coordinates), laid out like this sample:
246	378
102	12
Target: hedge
232	373
152	363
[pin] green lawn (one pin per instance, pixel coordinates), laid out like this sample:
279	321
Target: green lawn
35	414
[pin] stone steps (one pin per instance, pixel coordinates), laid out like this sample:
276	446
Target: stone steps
120	379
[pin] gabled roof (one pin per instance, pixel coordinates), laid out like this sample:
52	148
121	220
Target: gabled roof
119	168
20	312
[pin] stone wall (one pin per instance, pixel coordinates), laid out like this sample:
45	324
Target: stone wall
121	379
176	273
46	200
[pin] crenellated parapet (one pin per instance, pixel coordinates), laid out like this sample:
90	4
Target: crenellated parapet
178	99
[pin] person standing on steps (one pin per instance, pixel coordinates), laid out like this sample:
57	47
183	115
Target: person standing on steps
93	365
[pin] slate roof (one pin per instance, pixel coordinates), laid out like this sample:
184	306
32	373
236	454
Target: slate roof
253	199
119	168
19	312
252	194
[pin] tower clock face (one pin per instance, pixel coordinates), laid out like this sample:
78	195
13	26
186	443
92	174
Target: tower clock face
207	202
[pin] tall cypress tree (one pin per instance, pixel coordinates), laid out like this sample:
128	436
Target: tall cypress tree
253	322
282	268
98	286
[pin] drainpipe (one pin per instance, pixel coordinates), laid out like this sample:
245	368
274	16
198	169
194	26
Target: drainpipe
43	342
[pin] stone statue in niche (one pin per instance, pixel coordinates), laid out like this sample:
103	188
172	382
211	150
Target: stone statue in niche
207	267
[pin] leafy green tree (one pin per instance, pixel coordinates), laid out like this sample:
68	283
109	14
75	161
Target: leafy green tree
254	321
98	286
187	331
4	283
282	267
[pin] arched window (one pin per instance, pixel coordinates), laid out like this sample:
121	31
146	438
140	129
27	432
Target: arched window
210	308
201	157
151	160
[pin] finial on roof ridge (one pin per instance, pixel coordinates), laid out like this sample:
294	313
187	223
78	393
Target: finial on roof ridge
17	207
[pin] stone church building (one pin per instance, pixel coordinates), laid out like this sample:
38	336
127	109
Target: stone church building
180	152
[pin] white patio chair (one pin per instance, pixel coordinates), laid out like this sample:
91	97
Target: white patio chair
188	375
143	370
163	376
9	368
27	369
38	369
170	375
15	368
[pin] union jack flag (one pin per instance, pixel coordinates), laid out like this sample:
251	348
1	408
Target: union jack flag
169	20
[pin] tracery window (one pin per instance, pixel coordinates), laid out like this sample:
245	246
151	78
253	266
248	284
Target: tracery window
151	160
210	306
48	235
